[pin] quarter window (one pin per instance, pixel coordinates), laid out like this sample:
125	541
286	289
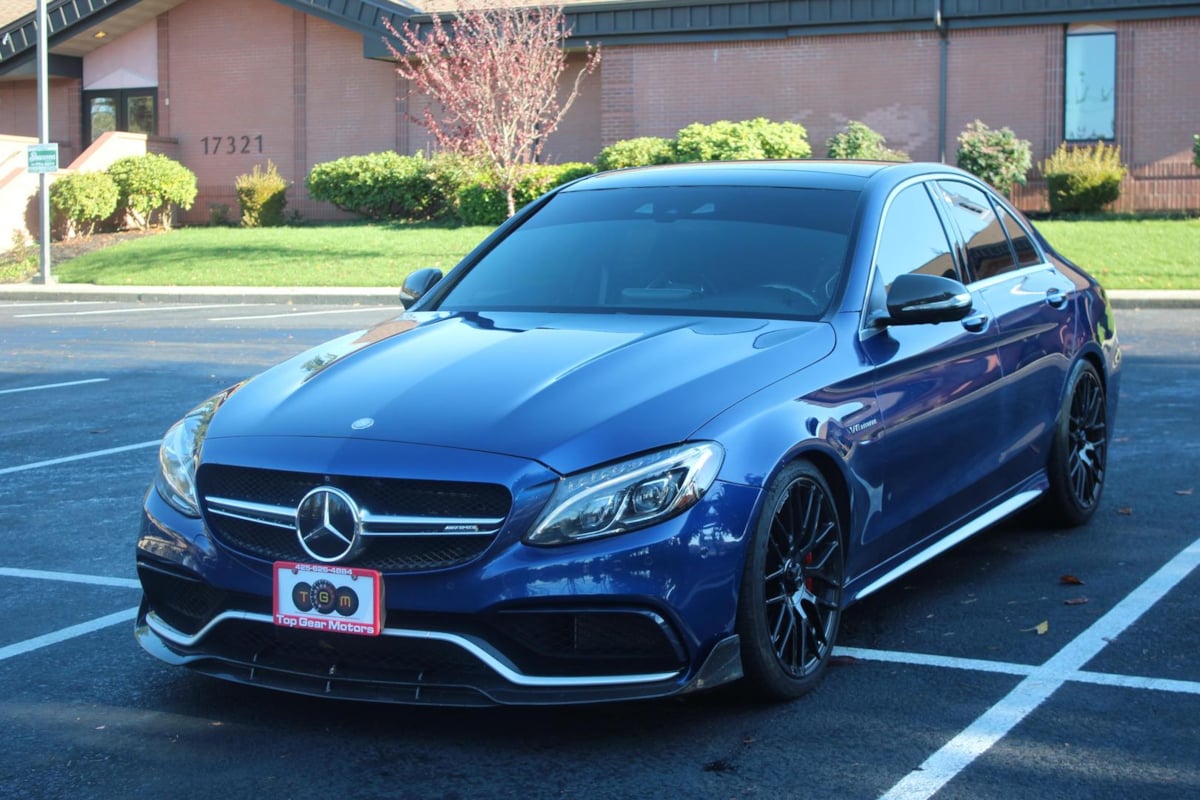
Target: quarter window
1027	254
1090	95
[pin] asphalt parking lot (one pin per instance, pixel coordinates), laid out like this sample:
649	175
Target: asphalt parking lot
984	674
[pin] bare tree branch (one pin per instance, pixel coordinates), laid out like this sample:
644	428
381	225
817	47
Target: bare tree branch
495	72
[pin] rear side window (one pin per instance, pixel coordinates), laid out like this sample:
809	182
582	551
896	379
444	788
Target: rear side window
987	249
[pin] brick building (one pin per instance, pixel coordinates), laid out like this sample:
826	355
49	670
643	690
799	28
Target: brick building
222	85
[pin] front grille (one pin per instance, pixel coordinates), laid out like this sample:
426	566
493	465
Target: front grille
409	525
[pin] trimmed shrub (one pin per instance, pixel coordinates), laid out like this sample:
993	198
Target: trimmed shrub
262	196
1196	148
149	185
779	139
1083	180
857	140
643	151
995	156
738	141
80	200
380	186
449	173
480	203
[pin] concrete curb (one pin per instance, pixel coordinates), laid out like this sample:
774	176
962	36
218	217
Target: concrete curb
382	296
1138	298
287	295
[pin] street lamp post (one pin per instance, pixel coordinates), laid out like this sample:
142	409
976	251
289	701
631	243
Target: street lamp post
43	88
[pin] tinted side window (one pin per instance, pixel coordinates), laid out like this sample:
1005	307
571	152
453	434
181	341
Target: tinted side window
988	252
1027	254
912	240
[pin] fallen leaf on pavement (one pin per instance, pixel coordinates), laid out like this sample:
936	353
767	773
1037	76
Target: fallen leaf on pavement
1040	629
1070	580
1125	510
1075	601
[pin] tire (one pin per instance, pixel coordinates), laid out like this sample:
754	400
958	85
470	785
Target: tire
789	605
1079	454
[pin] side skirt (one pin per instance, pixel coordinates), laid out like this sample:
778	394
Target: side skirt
1005	509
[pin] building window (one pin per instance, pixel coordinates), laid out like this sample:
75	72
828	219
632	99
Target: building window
1090	94
132	110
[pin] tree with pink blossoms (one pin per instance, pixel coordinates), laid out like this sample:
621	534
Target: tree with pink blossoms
494	70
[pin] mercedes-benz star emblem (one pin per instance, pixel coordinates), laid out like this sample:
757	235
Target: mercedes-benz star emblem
328	524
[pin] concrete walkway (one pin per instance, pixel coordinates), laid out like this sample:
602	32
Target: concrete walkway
381	296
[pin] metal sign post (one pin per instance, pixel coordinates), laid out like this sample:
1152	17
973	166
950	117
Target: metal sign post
43	86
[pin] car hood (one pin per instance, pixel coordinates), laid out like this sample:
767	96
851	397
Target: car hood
569	391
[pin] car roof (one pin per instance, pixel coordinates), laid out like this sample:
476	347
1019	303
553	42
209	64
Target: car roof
807	173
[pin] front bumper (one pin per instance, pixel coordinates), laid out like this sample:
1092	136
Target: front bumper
407	666
642	615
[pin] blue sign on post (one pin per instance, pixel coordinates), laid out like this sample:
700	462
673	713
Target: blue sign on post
43	157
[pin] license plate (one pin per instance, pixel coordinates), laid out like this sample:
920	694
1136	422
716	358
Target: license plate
324	597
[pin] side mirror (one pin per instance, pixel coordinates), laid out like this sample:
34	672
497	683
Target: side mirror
917	299
417	284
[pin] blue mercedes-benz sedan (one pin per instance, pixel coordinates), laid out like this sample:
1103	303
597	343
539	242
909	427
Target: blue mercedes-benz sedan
652	436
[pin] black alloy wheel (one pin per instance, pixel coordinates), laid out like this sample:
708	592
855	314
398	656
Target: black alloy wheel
1079	458
790	602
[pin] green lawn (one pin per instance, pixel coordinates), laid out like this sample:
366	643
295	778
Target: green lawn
1124	253
1131	253
328	255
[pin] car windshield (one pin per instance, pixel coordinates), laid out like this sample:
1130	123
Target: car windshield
724	250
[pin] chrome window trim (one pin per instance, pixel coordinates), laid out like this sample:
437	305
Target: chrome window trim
1005	277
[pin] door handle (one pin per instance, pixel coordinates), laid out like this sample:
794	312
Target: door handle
1055	298
975	323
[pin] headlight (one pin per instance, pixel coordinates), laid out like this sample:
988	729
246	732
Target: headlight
628	495
179	455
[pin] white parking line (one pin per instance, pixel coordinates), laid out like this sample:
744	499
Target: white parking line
995	723
927	660
38	304
135	310
52	386
68	577
1136	682
67	459
380	309
82	629
1005	668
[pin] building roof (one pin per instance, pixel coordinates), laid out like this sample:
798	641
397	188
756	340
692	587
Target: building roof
73	23
12	9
